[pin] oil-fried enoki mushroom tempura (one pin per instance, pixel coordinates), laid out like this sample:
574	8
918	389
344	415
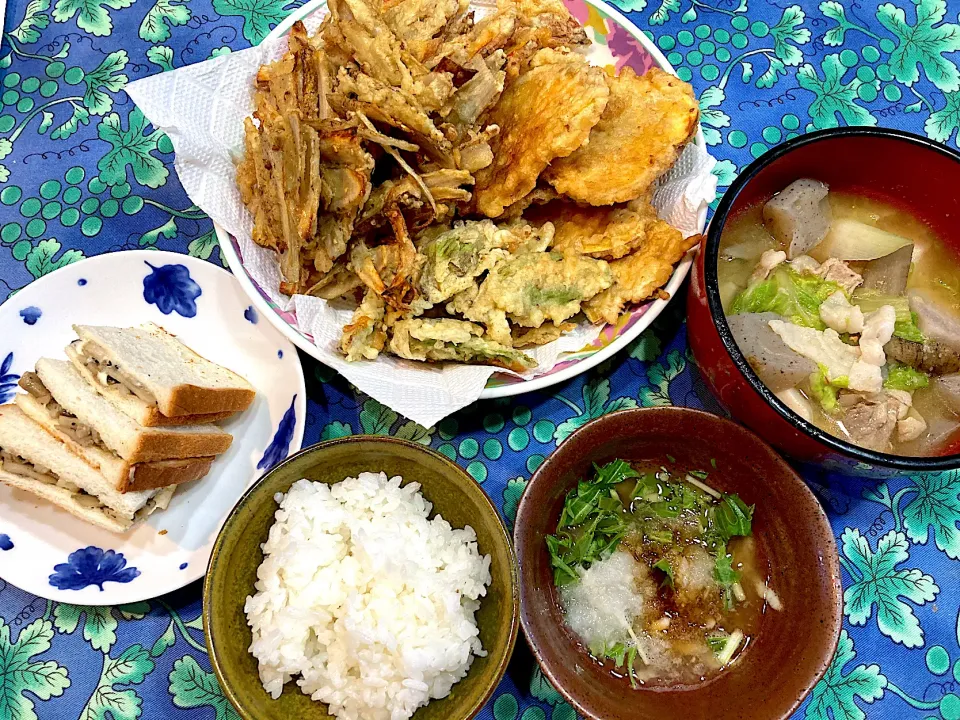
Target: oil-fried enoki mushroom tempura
455	177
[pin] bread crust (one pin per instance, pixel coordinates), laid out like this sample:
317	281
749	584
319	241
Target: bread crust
150	415
192	400
150	476
162	445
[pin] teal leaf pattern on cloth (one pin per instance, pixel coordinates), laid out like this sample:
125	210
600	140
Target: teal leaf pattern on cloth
836	695
35	19
935	509
191	687
91	15
923	44
161	18
21	672
258	15
834	99
131	149
596	402
82	173
878	582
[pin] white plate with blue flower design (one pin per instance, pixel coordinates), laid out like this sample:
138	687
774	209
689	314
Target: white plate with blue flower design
48	552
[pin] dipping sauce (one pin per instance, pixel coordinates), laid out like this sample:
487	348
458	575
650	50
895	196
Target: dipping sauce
658	572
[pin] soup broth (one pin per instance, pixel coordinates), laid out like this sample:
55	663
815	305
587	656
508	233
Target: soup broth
658	574
934	275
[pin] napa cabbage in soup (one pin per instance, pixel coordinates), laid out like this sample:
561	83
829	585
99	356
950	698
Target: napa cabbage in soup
848	309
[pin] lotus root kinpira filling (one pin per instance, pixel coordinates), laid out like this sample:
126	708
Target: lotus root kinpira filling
658	573
848	309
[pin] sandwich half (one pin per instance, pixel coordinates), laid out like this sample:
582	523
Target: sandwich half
134	457
33	460
154	378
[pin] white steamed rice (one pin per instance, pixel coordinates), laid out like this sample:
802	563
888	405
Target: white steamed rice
364	598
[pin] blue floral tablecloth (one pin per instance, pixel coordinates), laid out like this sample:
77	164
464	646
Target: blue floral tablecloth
81	173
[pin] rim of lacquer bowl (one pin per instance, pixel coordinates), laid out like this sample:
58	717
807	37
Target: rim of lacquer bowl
540	382
832	559
712	285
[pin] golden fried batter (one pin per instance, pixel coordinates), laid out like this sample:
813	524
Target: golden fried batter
545	114
444	339
533	288
601	232
639	276
646	123
364	337
546	333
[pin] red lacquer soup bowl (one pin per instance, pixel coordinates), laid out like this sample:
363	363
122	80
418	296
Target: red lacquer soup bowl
911	172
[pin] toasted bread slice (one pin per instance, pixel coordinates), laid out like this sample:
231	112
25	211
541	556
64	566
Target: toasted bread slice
165	377
119	432
124	476
45	467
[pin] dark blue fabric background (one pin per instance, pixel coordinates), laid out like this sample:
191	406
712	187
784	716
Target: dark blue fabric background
81	174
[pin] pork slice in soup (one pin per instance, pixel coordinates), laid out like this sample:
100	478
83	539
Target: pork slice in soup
848	309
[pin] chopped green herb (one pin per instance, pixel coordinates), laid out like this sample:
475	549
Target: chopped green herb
723	570
713	463
663	564
657	518
592	522
733	517
664	537
717	642
671	458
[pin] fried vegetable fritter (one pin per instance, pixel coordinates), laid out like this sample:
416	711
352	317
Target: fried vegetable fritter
381	147
364	337
452	260
546	333
644	127
532	288
544	114
608	233
445	339
640	275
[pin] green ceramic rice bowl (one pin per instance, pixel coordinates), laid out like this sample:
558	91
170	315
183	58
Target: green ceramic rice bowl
236	556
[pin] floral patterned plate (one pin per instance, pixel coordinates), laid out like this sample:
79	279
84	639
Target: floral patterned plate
616	42
50	553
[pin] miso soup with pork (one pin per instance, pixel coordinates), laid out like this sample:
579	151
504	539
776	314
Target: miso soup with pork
848	309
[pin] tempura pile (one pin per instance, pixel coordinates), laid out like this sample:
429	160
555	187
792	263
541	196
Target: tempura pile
470	186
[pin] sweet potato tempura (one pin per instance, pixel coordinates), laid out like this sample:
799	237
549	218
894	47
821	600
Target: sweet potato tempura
643	129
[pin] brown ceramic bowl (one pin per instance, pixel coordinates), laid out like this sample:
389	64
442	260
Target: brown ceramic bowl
236	555
792	648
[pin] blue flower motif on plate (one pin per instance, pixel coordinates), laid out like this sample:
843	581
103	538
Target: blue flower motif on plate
171	289
31	314
5	542
81	282
92	566
8	380
280	445
251	314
